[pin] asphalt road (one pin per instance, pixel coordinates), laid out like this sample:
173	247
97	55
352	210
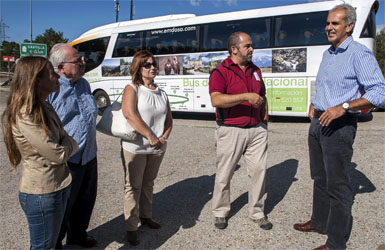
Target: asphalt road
183	191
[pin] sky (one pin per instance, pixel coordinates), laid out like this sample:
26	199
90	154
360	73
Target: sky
76	17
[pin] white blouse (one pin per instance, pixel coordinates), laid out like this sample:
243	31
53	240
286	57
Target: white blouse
152	106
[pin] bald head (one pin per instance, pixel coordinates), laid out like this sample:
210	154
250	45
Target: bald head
235	39
240	48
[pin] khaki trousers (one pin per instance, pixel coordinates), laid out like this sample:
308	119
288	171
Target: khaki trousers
140	171
232	143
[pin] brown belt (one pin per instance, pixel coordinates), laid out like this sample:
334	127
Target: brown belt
317	113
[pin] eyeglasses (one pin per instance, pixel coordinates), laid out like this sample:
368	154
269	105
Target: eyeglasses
147	65
80	60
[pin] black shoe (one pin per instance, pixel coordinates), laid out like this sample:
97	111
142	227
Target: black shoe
133	237
59	245
87	242
150	223
220	222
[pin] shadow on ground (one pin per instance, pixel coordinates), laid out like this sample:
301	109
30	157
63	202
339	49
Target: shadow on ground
360	183
278	181
178	205
181	204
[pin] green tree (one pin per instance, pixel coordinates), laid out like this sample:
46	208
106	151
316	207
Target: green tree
9	49
380	49
50	37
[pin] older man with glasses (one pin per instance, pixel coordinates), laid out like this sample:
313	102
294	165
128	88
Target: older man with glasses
77	110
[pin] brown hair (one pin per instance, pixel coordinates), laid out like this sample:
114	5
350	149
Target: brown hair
24	99
139	60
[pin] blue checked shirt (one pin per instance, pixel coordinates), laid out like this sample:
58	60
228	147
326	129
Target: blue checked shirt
77	110
345	73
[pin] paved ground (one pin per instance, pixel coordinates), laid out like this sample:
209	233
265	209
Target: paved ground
183	190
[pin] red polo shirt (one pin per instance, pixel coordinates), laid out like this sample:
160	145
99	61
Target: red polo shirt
228	78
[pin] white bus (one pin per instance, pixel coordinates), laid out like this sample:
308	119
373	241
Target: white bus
288	43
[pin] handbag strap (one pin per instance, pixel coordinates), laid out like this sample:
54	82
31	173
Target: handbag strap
121	93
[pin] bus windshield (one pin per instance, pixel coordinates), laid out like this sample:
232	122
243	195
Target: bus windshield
93	51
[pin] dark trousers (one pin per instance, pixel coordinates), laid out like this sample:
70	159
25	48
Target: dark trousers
81	202
331	151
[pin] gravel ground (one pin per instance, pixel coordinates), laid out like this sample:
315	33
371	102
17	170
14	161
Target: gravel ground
183	191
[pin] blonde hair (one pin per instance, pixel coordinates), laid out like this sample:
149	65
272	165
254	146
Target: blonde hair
24	99
139	60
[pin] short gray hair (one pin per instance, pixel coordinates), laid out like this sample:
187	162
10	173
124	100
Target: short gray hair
57	54
350	13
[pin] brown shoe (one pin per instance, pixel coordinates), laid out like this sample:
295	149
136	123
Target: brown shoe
323	247
307	227
133	237
150	223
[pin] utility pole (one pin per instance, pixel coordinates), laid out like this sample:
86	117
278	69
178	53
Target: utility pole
30	11
3	37
117	10
132	7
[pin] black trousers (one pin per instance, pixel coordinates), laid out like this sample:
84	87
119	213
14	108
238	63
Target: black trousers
81	202
331	151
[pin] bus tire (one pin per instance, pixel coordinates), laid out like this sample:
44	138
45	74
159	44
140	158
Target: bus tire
102	101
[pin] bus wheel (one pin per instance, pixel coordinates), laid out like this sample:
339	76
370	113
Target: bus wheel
102	101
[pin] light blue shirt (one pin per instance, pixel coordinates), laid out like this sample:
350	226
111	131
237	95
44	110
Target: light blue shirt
77	110
345	73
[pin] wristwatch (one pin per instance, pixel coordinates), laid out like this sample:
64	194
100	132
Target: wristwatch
345	106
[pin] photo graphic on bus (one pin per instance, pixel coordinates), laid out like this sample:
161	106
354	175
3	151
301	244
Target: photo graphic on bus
111	67
170	65
289	60
263	59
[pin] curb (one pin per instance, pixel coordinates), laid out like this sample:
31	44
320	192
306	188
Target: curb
5	89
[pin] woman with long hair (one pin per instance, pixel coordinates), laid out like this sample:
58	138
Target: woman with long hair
34	136
147	110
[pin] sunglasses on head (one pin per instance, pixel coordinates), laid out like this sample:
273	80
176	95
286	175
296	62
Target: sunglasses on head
147	65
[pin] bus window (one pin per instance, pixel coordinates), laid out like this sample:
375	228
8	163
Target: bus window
369	29
93	51
215	35
260	32
300	30
127	44
173	40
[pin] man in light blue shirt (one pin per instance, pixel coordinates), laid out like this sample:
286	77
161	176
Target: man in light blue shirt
77	110
348	68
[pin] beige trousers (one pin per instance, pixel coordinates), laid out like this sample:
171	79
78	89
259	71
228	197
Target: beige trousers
232	143
140	171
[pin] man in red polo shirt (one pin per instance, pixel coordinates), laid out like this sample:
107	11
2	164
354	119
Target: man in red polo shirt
238	93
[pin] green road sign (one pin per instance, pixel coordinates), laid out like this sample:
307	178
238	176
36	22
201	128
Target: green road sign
33	49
